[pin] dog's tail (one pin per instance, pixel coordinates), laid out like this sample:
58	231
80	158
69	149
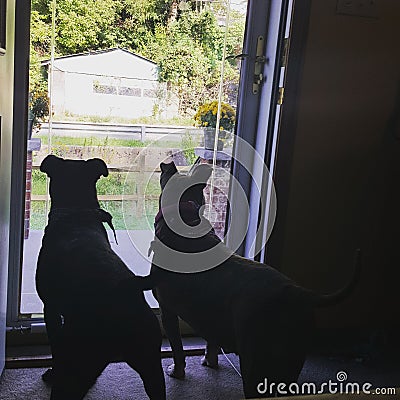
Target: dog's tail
137	283
335	298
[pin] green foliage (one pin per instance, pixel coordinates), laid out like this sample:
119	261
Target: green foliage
138	20
38	105
40	32
185	40
38	98
202	31
188	145
187	68
189	54
39	182
85	25
115	183
146	120
125	216
38	218
91	141
124	219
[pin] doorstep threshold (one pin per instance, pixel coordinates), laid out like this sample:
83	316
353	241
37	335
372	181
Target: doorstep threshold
193	346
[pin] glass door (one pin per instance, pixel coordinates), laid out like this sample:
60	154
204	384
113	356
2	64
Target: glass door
136	84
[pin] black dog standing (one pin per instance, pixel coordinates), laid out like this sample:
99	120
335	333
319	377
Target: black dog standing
240	305
94	305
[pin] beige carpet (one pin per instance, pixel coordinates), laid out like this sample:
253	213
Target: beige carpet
119	382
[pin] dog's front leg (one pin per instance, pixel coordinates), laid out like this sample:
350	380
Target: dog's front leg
171	325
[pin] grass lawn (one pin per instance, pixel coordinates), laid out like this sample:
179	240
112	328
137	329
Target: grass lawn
90	141
132	214
149	120
127	214
60	141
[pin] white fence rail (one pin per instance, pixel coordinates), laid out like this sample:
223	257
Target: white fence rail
123	131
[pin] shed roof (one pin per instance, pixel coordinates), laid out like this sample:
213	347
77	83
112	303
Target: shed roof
111	62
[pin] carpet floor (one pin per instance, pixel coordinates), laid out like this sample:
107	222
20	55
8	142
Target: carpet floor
119	382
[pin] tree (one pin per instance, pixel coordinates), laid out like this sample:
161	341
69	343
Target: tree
137	21
189	54
85	25
40	44
184	38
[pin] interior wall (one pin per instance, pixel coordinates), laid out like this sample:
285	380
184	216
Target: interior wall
339	152
6	115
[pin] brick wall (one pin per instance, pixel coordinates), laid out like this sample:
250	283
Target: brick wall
28	194
219	195
33	145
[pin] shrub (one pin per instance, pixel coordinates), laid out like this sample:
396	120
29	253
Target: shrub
188	145
206	116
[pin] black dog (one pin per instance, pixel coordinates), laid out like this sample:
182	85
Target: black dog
237	304
94	307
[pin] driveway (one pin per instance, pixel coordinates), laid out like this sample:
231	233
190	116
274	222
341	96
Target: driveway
132	248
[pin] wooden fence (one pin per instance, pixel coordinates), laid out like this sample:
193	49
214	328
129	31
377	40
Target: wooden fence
140	197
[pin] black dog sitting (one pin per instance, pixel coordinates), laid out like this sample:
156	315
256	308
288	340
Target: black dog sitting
94	307
240	305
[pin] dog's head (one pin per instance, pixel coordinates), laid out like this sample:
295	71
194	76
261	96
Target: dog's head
180	188
185	239
73	182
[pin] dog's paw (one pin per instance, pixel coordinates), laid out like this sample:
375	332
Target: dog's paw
175	372
210	362
48	377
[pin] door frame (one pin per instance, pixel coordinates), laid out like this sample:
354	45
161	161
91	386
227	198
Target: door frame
18	166
285	144
256	125
248	127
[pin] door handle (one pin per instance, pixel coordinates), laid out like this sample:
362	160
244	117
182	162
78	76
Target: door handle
260	60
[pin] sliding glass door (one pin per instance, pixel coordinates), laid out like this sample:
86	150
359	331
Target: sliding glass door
201	84
135	98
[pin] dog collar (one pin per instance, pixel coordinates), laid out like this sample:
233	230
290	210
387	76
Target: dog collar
184	206
99	213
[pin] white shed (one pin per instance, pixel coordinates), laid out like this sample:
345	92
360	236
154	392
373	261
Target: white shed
112	82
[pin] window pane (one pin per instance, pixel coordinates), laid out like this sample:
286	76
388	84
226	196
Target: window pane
147	92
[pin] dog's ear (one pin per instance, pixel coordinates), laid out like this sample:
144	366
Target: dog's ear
167	171
98	166
170	167
50	164
201	174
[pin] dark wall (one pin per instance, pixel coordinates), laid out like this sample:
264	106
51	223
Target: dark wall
338	168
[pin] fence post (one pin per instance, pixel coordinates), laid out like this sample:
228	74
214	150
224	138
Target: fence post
140	186
143	133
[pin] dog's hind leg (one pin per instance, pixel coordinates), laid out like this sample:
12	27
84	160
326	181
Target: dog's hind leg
256	363
54	327
210	358
149	368
74	377
270	373
141	349
171	325
73	380
271	352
